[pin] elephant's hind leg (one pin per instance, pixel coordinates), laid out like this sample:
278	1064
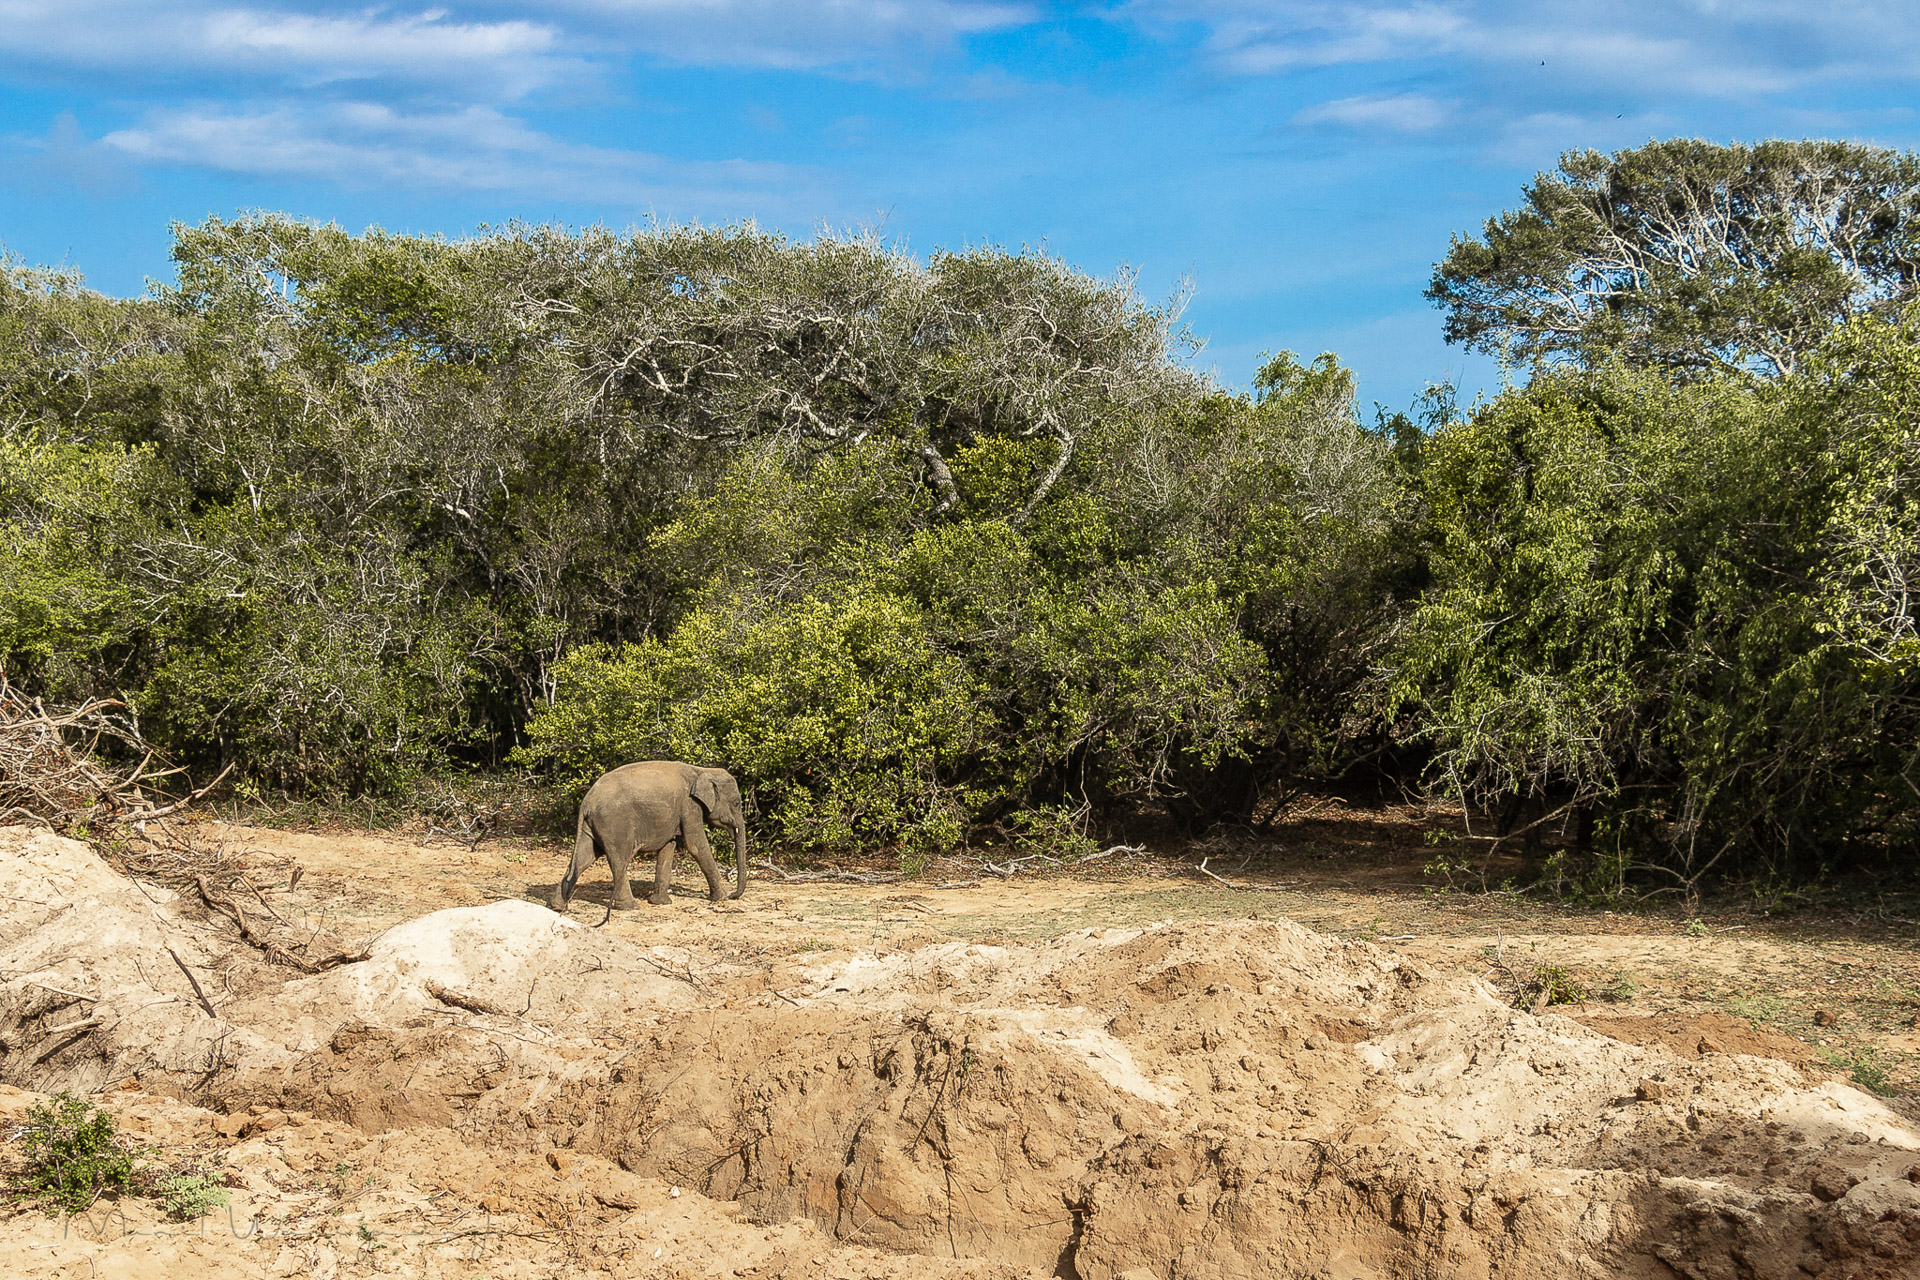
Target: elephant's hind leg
621	864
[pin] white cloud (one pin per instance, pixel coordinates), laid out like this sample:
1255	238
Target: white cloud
796	34
371	144
499	49
1644	47
1396	113
501	60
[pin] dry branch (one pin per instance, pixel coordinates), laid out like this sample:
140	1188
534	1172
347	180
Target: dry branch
194	983
273	950
813	877
461	1000
1241	888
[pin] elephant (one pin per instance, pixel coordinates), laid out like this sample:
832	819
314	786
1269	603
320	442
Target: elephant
657	806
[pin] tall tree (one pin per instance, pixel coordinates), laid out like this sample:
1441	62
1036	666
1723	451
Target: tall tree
1689	256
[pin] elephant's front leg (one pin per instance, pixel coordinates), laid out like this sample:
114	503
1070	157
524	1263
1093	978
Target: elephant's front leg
663	873
620	864
694	836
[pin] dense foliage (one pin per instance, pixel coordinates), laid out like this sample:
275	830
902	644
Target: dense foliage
931	549
1678	612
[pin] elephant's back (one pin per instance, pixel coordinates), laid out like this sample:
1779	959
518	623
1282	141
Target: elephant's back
640	774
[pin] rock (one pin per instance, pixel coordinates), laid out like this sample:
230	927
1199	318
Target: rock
1830	1184
230	1126
1650	1091
265	1122
1822	1018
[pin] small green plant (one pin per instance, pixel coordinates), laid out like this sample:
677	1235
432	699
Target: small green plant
1551	984
1863	1066
1697	928
515	858
1757	1010
1622	990
1446	868
73	1153
191	1194
342	1180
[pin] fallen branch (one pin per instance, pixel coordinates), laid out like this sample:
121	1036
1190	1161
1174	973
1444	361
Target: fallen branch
138	814
460	1000
1238	888
1111	850
48	779
814	877
194	983
1014	865
273	950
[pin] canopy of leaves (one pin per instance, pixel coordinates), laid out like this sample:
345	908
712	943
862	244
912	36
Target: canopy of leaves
931	551
1689	256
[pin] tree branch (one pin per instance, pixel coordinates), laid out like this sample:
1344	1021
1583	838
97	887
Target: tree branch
1047	481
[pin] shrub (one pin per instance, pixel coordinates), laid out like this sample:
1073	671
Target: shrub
73	1153
841	715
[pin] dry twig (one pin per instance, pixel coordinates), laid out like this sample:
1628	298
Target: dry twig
1242	888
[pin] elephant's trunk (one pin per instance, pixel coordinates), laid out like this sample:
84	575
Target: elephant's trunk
584	852
739	855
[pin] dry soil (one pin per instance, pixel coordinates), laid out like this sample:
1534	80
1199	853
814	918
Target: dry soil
1313	1069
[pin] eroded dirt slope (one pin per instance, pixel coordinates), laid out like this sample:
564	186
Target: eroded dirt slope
1228	1098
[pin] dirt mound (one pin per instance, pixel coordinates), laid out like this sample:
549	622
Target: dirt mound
1231	1099
318	1198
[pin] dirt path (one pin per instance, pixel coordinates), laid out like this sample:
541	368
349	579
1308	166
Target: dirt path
1835	999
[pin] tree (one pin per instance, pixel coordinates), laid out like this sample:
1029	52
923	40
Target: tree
1689	256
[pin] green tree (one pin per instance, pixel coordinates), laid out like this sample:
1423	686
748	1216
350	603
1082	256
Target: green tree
1689	256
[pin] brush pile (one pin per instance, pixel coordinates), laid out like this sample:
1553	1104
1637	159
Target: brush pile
53	772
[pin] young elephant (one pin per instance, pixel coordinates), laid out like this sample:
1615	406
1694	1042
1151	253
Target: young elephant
657	806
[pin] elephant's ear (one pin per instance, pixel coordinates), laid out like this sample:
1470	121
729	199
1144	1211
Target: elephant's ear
704	789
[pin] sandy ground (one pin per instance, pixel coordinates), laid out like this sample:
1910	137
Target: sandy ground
1129	1071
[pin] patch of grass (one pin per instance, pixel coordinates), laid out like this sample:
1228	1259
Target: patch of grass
1622	990
1864	1067
191	1194
73	1154
1757	1010
1555	983
1697	928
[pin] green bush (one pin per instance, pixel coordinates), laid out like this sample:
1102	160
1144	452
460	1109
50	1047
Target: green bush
73	1154
842	715
1672	611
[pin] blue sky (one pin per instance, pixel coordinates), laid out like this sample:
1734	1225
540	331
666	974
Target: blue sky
1302	164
